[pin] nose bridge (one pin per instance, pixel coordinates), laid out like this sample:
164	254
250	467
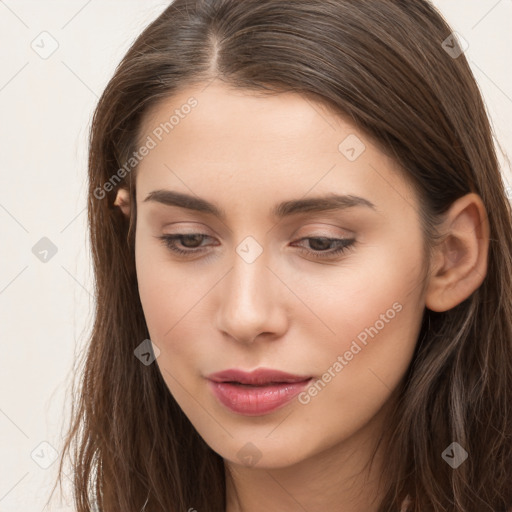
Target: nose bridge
248	298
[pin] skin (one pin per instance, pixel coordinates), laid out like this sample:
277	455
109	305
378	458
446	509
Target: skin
287	310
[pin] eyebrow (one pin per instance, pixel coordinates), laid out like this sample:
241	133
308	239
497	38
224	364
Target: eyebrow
324	203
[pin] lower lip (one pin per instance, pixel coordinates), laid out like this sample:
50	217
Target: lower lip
256	400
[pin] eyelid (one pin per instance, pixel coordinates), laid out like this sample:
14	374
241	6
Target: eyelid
195	227
312	229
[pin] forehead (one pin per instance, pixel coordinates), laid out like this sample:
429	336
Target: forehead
219	110
259	145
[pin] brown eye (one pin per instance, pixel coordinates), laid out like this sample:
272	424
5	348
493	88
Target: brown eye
191	242
319	246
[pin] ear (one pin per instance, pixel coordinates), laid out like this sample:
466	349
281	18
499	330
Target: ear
459	263
123	201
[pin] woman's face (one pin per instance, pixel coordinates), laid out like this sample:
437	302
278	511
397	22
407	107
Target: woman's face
261	286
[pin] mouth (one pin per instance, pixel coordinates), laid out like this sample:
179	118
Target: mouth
256	393
267	384
258	377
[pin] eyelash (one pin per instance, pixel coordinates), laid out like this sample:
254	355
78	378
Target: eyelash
344	244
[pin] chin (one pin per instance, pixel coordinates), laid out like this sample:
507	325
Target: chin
260	452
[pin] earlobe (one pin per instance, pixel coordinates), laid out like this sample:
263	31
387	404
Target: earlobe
123	201
461	258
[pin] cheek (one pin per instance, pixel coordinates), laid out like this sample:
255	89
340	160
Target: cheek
159	290
172	299
358	368
369	312
169	303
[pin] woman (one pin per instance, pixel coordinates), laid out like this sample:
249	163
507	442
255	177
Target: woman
303	258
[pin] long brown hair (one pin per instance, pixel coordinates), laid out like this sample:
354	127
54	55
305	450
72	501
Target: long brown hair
383	65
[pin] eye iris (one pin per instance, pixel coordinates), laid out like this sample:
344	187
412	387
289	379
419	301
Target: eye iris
197	238
320	243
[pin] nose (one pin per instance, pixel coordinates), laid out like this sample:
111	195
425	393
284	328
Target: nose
251	302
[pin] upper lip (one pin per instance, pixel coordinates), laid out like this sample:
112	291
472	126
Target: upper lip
260	376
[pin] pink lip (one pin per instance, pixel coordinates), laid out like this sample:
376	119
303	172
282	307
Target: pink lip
258	392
